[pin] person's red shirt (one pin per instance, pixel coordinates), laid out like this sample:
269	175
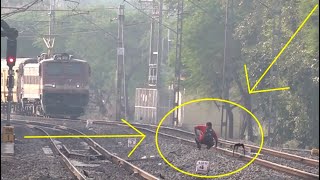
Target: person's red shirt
203	129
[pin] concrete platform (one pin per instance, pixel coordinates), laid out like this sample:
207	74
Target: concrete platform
7	149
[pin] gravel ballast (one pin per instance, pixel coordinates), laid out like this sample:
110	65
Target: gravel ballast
181	155
30	161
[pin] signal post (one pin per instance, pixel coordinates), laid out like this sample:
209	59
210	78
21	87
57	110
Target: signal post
7	146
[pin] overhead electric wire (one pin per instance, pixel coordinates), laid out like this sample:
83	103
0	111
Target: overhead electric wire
22	9
41	10
198	6
91	22
203	9
75	2
97	26
76	12
62	34
150	16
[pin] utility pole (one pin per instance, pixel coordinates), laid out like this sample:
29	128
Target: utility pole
169	46
120	63
176	85
153	53
155	56
276	34
159	59
49	41
125	89
229	119
223	70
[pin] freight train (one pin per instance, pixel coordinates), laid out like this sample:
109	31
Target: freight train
56	87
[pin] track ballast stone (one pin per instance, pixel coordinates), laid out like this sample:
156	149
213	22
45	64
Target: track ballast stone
182	156
94	167
158	167
30	161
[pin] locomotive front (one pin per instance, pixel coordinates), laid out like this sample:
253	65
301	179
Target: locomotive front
64	86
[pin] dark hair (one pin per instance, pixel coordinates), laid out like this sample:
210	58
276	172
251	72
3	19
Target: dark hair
209	124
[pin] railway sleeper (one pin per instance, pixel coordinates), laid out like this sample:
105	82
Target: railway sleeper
79	156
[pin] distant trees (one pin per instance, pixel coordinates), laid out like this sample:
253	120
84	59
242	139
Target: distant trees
87	38
251	26
250	42
298	66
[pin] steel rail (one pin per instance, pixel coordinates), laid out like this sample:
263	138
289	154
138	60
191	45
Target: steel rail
65	160
265	163
113	158
300	159
280	154
117	160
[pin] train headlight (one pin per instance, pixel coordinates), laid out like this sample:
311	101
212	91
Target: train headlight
78	85
53	85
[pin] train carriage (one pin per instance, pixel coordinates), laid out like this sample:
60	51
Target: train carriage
28	89
4	75
56	87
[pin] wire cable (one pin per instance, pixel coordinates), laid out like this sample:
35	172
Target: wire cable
91	22
19	10
97	26
150	16
198	6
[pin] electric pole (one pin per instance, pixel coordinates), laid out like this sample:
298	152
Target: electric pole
125	89
176	85
155	57
229	69
120	64
224	124
148	103
275	46
153	64
159	46
153	53
168	47
159	60
49	41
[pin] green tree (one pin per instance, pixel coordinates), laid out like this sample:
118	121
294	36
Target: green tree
253	22
86	37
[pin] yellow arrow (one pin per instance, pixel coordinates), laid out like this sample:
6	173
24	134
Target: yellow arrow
140	134
251	90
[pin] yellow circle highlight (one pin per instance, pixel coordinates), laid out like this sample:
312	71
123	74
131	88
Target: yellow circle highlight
201	100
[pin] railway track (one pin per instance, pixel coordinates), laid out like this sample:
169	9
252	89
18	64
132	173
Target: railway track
133	171
77	174
183	155
33	159
227	143
187	137
253	148
266	163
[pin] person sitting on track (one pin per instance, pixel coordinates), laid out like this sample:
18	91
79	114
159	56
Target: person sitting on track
205	135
